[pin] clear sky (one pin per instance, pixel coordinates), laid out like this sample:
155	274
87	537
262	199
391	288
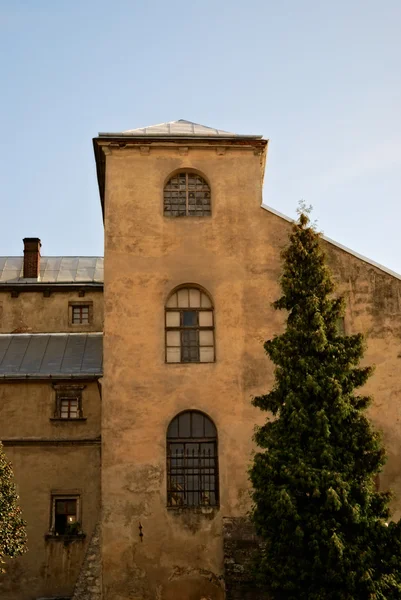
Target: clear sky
320	79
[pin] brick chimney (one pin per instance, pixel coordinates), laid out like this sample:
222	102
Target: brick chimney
31	258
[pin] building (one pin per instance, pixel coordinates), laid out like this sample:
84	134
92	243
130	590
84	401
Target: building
187	305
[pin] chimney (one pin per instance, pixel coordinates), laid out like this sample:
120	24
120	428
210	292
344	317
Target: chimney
31	258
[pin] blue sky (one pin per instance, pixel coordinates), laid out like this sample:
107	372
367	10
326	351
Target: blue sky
321	80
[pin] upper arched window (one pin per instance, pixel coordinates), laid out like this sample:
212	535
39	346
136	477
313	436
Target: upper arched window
192	465
187	194
189	327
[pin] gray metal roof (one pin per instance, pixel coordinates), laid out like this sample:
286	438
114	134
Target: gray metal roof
57	355
180	128
54	269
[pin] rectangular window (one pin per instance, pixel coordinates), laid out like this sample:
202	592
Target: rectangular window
68	403
69	408
65	518
80	313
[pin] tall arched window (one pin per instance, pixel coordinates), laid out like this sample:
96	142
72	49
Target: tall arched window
189	327
187	194
192	461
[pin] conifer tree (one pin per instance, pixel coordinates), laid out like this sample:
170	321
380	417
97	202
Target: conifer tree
316	507
12	525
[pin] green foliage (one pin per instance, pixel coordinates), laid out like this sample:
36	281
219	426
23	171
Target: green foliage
315	504
12	525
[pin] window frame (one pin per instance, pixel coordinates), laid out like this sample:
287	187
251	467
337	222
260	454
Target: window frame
182	328
74	304
201	471
187	173
67	495
68	392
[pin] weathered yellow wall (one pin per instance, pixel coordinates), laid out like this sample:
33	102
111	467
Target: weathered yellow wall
31	312
235	255
49	567
26	409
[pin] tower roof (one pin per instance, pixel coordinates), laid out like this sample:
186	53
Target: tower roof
180	128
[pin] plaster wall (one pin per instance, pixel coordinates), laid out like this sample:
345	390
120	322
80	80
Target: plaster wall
51	567
49	456
27	409
32	312
235	255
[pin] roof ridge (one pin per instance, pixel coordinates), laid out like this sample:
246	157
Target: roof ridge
338	245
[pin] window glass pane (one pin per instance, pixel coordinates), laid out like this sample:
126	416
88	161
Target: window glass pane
173	429
206	318
189	318
206	301
194	298
172	319
183	298
210	429
173	338
206	338
184	425
60	507
71	507
190	353
173	355
198	421
172	301
206	354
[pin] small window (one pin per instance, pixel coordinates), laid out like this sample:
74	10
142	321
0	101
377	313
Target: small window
80	313
189	327
192	461
68	401
69	408
65	515
187	195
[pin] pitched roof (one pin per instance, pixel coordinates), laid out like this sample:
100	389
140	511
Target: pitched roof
180	128
54	269
56	355
337	245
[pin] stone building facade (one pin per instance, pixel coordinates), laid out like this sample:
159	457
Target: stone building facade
191	267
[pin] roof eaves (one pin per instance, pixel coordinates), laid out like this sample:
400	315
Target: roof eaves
338	245
47	376
163	136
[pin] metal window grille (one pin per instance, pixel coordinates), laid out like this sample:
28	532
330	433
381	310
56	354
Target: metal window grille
187	194
80	315
192	461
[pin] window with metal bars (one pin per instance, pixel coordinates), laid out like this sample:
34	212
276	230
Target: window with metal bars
187	194
189	327
192	461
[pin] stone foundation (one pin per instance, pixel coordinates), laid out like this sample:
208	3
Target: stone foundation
89	583
240	547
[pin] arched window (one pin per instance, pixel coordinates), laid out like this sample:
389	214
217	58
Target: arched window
189	327
187	194
192	461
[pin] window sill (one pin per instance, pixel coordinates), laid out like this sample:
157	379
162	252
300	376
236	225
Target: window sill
77	537
69	419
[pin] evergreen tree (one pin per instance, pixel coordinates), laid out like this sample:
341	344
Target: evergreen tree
12	525
316	507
